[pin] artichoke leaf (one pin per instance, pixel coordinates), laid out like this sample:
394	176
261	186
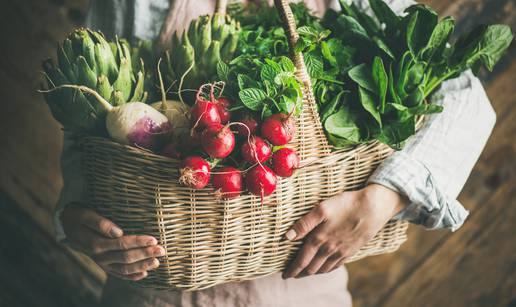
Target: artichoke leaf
123	83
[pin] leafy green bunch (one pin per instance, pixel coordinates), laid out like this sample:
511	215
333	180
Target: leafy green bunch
402	60
263	85
372	75
261	76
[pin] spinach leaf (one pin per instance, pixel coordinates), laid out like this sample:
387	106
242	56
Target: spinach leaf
434	50
415	97
368	101
385	15
422	21
485	43
395	133
381	81
415	75
361	74
425	109
331	107
392	91
383	47
352	28
343	125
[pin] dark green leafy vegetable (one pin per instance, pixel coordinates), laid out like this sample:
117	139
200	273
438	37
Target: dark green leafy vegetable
371	75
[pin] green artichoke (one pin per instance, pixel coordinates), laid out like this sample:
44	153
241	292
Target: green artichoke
208	40
87	58
143	51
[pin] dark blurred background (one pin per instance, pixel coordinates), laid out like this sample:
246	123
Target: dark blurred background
475	266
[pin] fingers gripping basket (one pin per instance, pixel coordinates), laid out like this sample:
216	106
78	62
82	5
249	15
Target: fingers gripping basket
209	242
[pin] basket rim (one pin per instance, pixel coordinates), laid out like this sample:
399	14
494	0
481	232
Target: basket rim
371	144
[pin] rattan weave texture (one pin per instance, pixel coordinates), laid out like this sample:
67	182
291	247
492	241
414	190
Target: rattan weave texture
211	241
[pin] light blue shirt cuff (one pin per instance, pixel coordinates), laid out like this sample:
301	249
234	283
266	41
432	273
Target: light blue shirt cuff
428	204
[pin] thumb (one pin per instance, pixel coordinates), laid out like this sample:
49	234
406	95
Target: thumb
101	224
306	224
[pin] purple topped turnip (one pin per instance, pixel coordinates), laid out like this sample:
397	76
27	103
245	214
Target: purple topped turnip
136	123
133	123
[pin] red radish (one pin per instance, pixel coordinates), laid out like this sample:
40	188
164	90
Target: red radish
284	162
228	182
223	105
171	150
194	172
192	141
261	181
256	150
217	141
279	129
250	122
205	113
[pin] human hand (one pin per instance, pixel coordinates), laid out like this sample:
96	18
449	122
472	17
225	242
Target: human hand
338	227
127	257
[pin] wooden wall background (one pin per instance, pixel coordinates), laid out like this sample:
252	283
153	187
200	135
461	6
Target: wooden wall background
476	266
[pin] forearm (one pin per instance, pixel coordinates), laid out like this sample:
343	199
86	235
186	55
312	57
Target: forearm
73	185
436	162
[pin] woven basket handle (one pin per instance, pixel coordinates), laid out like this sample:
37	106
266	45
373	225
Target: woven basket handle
312	141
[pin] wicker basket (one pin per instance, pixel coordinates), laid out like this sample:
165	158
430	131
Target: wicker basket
209	242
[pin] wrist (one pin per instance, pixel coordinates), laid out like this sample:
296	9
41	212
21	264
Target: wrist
387	198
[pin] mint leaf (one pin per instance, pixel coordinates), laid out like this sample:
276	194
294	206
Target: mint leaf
222	71
268	73
287	64
253	98
314	66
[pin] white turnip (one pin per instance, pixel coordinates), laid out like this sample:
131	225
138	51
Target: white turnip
178	115
133	123
177	112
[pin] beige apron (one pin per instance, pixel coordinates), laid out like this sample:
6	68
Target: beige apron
326	290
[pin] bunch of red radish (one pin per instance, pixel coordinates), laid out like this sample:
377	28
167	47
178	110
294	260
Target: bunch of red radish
252	146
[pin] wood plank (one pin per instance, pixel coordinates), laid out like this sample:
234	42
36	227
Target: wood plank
466	270
28	160
382	274
29	168
37	271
